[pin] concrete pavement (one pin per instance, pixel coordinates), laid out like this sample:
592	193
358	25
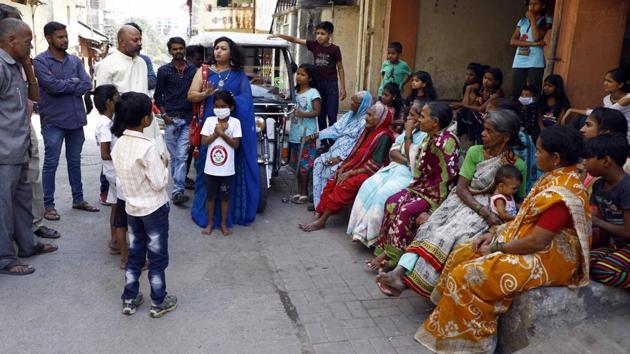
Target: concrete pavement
268	288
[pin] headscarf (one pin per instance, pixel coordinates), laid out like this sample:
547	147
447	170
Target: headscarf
369	139
351	123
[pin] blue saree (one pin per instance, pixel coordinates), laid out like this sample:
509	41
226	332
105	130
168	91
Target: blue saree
245	190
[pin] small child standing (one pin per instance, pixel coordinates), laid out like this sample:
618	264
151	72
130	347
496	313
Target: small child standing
394	69
105	97
606	155
529	111
143	175
222	133
303	132
327	60
506	183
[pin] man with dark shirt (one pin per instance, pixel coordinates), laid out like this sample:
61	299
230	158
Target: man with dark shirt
327	60
173	82
62	83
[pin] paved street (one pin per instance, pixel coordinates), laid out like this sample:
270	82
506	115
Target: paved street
268	288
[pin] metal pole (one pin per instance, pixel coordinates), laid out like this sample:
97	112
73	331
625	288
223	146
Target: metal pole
254	18
190	20
33	8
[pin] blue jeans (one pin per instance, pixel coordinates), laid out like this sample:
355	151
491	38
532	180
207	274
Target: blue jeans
148	236
53	139
176	137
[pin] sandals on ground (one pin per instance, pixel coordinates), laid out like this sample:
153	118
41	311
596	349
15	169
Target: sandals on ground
11	269
51	214
299	199
40	249
85	206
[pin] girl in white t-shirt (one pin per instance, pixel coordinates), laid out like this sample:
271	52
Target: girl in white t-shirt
506	183
617	89
222	133
105	97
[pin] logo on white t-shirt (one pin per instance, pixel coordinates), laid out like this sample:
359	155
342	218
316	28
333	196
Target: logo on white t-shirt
218	155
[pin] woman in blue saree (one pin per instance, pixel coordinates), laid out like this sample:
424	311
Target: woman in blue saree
225	73
345	134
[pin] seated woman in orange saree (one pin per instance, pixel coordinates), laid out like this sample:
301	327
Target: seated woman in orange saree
369	154
546	245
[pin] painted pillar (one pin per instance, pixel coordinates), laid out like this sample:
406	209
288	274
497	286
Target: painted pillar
589	45
401	25
402	22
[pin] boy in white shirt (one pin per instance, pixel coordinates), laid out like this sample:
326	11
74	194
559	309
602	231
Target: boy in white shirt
143	175
105	97
222	134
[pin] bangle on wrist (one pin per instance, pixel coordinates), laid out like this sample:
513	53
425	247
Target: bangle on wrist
477	208
33	83
496	247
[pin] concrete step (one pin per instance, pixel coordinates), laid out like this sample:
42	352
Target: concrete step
537	315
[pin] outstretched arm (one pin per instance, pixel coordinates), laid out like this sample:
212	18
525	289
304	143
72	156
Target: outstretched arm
291	39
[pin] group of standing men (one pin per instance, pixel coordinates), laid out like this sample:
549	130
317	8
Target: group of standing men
57	80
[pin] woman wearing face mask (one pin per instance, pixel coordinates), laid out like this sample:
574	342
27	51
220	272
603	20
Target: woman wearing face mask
225	73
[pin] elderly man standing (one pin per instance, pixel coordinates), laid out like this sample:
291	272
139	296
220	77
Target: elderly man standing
34	173
16	217
63	81
173	82
126	70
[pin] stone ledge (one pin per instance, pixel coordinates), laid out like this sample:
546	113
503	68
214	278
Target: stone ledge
537	313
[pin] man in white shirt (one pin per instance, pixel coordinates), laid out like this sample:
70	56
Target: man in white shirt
126	70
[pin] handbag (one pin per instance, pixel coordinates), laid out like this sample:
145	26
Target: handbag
194	133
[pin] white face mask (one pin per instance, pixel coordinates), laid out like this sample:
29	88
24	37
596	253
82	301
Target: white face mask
222	113
526	101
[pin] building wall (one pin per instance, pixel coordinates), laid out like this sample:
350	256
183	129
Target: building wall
56	10
346	21
589	45
264	15
452	33
403	12
372	44
301	21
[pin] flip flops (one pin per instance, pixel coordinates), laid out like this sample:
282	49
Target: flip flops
299	199
7	270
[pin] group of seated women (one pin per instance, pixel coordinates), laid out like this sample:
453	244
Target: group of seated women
439	226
